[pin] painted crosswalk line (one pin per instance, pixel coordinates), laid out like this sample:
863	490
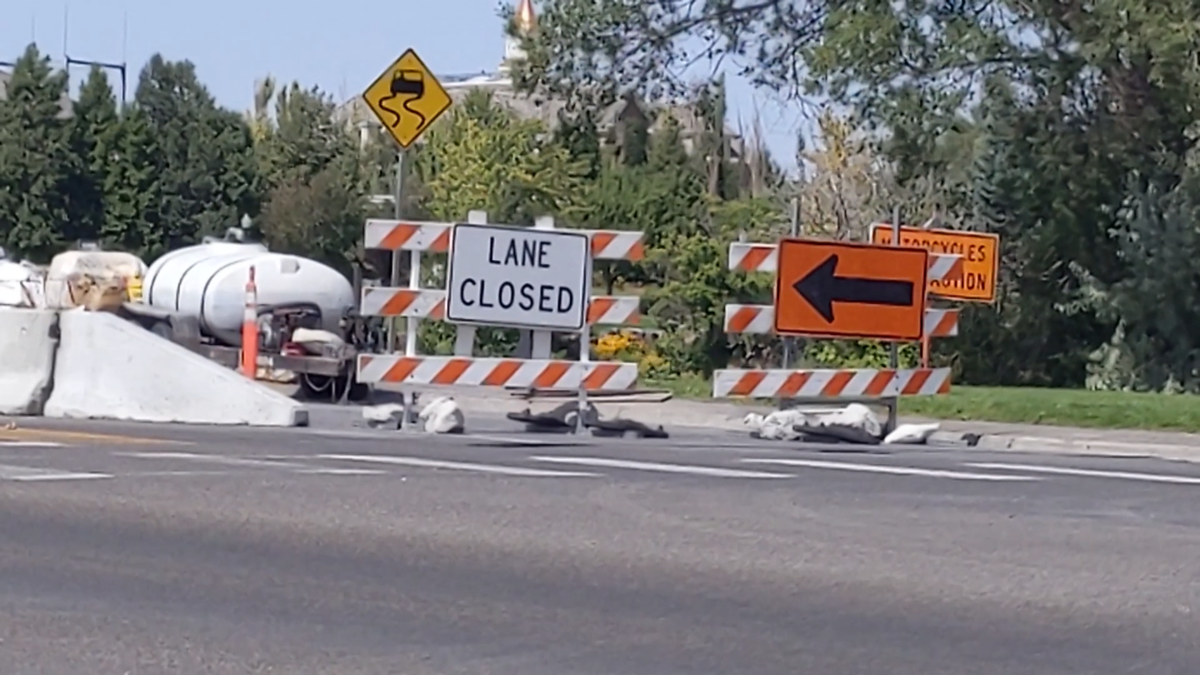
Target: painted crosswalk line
459	466
31	474
29	444
253	463
892	470
710	471
1089	473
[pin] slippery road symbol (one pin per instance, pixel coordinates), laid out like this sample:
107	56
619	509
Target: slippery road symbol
409	84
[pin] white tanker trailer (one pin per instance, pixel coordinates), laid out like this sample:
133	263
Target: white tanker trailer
196	296
208	282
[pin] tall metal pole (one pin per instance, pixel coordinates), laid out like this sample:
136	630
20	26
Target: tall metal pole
397	196
414	269
789	343
894	356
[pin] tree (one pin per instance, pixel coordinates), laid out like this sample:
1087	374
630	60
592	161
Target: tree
313	174
38	168
593	51
95	125
581	139
1156	306
131	186
483	157
205	166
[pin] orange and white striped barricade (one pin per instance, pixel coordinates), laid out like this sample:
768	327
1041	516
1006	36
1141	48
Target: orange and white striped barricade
430	304
828	385
746	257
845	385
431	237
497	372
760	320
538	371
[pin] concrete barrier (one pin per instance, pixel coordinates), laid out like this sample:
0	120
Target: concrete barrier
26	359
109	368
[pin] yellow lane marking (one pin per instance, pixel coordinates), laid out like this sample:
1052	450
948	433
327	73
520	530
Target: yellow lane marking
79	436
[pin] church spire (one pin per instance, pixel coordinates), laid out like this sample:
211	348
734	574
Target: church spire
525	22
525	18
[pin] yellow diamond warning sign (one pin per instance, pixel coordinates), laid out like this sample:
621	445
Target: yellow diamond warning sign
407	98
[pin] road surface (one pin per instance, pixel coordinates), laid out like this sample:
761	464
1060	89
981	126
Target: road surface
301	551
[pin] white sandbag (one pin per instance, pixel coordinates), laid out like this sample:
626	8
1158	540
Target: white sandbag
911	433
855	423
316	341
387	415
776	426
442	416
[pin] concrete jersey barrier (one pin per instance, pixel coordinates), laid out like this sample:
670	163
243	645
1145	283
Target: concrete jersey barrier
109	368
27	347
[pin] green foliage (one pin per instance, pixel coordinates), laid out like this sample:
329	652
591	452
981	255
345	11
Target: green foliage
483	158
130	185
1068	133
314	179
205	170
39	169
94	122
1154	346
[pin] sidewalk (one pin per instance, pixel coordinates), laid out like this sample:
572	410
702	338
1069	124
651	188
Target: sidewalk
1072	440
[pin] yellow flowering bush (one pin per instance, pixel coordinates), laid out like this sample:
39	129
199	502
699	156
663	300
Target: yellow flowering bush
623	345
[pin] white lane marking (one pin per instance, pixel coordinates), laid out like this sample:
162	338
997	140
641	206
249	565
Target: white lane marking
710	471
257	463
460	466
1091	473
893	470
29	444
29	474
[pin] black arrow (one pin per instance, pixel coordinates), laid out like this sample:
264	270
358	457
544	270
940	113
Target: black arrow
821	288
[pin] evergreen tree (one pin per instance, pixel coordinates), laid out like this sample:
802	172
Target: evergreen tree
131	186
581	138
39	171
94	126
205	174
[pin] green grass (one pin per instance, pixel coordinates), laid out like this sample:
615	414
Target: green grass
685	386
1066	407
1024	405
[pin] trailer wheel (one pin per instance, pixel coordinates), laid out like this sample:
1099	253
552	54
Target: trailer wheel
359	392
163	330
315	387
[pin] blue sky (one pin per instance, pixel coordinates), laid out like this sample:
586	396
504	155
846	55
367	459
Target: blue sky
338	46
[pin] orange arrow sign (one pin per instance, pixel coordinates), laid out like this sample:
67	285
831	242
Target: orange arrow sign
850	290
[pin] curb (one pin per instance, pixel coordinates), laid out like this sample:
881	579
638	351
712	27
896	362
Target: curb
1047	445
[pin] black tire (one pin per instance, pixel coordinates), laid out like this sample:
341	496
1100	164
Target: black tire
314	387
163	330
331	389
360	392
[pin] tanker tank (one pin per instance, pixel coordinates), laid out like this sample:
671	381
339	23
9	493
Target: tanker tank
208	282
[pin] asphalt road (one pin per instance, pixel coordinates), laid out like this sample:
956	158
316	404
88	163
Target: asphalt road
304	551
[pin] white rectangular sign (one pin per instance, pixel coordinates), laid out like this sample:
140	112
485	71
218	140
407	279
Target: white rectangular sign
519	277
